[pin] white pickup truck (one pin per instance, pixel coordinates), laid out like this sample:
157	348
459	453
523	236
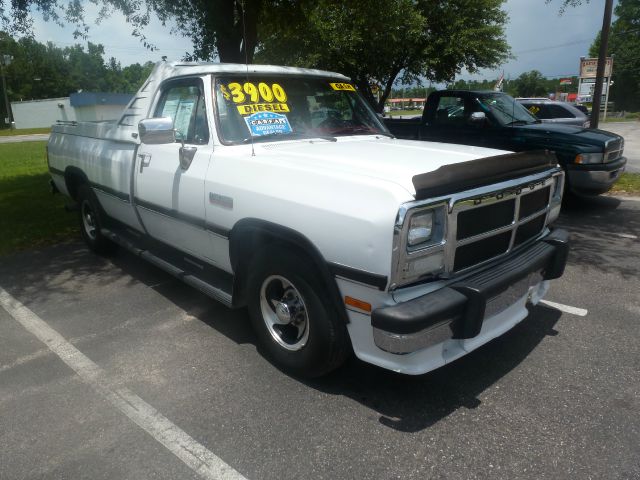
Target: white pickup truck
279	189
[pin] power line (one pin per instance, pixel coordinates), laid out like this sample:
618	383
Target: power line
541	49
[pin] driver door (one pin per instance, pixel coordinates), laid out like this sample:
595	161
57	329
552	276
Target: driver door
169	194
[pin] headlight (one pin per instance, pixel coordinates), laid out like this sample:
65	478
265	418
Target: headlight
585	158
420	228
426	228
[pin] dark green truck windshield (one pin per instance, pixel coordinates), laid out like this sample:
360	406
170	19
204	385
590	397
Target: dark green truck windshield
505	109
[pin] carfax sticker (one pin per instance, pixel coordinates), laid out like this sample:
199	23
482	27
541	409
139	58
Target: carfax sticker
343	86
266	123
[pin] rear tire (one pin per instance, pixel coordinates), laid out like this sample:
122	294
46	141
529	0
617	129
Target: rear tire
296	325
90	222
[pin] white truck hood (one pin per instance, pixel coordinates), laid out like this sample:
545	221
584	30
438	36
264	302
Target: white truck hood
382	158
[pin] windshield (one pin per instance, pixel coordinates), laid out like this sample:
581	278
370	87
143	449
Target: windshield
265	107
505	109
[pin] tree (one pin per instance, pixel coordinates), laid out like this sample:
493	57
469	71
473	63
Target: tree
216	27
373	41
624	43
45	71
531	84
377	42
568	3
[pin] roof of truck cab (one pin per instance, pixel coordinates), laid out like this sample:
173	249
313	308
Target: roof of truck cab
195	68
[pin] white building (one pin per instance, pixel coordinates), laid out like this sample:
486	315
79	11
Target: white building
81	107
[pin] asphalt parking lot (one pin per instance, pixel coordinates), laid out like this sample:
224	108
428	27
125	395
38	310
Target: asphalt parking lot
116	370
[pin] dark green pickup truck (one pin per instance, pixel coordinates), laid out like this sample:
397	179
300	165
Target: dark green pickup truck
592	158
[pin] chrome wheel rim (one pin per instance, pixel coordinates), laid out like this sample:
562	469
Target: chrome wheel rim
88	220
284	313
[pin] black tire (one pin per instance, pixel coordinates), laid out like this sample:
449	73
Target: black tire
90	222
326	345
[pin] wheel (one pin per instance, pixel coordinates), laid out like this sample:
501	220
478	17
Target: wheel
89	216
290	312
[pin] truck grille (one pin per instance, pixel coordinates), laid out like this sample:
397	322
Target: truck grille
487	227
476	227
613	150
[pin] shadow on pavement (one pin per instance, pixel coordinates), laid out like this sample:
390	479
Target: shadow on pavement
404	403
601	229
43	275
410	404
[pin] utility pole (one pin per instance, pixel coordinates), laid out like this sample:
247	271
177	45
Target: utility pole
602	61
5	61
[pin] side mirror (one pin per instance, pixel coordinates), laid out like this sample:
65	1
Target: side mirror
478	118
156	131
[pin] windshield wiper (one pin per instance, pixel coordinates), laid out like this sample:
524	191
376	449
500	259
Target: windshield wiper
361	130
290	136
518	122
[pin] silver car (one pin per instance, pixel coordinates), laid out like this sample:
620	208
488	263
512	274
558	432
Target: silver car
555	112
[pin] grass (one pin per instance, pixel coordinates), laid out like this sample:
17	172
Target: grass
618	119
395	113
628	183
23	131
29	215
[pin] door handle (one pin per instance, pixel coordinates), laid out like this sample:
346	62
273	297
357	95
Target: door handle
145	160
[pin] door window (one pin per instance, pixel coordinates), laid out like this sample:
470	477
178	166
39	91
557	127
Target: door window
185	104
455	111
558	111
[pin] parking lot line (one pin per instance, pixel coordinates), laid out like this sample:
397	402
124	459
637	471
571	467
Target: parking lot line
193	454
581	312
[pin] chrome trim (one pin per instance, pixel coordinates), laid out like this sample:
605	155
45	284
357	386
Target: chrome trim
460	202
613	150
401	344
482	236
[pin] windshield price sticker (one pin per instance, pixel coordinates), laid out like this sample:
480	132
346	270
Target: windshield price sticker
251	98
262	107
347	87
267	123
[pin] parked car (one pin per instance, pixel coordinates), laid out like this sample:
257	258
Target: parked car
335	235
551	111
593	159
583	109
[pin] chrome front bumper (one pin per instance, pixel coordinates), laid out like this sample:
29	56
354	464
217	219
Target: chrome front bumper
458	310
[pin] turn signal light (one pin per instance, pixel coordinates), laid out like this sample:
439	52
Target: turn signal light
359	304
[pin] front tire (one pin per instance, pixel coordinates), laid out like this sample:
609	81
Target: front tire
90	222
295	323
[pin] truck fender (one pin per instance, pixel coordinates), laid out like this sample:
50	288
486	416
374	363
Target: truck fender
251	236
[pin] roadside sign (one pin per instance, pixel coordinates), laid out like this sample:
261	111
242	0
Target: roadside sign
565	81
589	67
587	85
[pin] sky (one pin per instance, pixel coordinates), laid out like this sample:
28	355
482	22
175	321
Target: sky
539	37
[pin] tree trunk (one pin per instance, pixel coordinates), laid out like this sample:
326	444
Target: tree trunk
388	86
367	93
233	26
